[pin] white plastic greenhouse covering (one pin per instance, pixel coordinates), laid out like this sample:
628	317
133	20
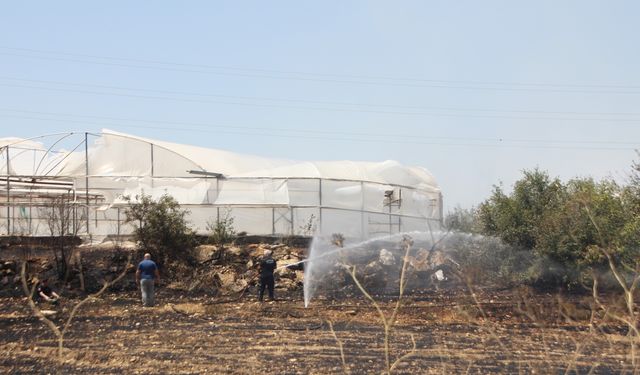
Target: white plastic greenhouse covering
263	196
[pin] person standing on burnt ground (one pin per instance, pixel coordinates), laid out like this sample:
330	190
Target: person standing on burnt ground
267	266
146	276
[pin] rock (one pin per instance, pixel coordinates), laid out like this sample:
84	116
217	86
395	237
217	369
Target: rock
421	261
204	252
387	258
237	251
5	280
226	279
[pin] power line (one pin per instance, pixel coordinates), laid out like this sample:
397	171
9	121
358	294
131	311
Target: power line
288	100
188	100
327	80
497	142
384	135
351	76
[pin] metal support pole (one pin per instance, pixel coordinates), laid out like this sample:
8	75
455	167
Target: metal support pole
293	231
152	171
440	208
118	223
86	177
273	221
362	228
217	188
400	211
8	199
76	225
320	205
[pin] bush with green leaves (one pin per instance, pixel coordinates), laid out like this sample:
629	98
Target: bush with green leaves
462	220
161	228
569	227
222	230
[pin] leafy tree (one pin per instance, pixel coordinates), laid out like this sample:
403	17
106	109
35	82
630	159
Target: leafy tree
462	220
64	223
222	230
515	219
592	213
161	228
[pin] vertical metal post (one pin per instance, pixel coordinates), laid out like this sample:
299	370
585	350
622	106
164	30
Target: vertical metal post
8	199
400	211
86	177
217	187
293	231
118	223
440	208
362	228
30	216
152	171
273	221
76	226
320	205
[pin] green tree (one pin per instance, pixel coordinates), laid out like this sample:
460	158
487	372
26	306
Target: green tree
516	218
462	220
161	228
593	213
222	230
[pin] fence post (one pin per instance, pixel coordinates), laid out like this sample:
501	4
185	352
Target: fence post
86	178
8	199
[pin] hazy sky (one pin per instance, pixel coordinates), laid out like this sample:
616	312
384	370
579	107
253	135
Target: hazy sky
475	91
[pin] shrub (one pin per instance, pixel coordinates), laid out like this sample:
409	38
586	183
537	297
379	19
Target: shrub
161	228
222	230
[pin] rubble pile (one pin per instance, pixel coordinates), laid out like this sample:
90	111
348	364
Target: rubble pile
378	267
232	269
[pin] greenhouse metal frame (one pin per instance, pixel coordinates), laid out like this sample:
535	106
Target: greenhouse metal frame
263	196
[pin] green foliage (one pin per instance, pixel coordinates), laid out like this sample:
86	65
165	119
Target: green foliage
568	227
489	260
462	220
222	230
515	218
309	226
161	228
592	215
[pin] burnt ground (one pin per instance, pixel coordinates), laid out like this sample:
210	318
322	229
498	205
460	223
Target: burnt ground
503	332
211	330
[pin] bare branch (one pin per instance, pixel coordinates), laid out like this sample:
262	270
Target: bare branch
345	368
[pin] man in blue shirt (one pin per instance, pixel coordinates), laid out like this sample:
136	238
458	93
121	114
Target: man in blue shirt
146	275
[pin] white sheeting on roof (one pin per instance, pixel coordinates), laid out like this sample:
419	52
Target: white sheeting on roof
239	165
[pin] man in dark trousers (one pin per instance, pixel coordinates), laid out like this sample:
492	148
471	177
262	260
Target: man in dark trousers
46	293
146	275
267	266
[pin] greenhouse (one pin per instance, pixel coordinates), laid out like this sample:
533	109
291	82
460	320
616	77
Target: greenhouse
94	173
